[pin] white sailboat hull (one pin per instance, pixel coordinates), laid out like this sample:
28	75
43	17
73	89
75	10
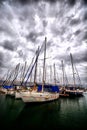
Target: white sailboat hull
38	96
17	95
75	92
10	92
3	90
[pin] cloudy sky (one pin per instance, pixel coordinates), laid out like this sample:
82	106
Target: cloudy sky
24	24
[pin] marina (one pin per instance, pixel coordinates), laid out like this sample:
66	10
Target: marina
43	64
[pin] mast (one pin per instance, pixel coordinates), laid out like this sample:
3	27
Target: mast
78	76
66	79
72	69
43	82
31	76
54	75
50	73
30	66
45	73
36	68
35	73
62	73
39	75
15	74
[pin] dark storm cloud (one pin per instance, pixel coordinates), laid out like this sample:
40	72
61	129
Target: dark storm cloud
72	2
85	56
6	29
80	57
32	36
85	36
30	1
24	2
77	32
1	59
9	45
85	2
68	49
65	58
74	22
52	1
85	16
2	1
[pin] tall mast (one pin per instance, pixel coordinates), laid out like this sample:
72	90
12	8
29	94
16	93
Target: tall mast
31	76
39	75
54	75
62	73
72	69
50	74
44	64
45	73
66	79
36	69
35	73
78	76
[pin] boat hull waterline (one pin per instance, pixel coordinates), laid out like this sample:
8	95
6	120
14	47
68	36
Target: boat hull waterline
39	97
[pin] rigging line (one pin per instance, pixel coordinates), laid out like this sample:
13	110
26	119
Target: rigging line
78	75
28	69
11	74
32	63
38	51
16	74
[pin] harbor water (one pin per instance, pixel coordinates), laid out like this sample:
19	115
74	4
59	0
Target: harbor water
64	113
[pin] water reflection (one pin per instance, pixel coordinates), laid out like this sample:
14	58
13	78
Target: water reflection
68	113
73	113
38	116
9	110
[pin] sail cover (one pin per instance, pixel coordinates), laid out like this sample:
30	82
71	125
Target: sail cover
49	88
7	86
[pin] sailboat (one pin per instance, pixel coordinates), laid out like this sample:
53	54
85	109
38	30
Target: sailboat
19	88
37	93
63	87
8	87
73	90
